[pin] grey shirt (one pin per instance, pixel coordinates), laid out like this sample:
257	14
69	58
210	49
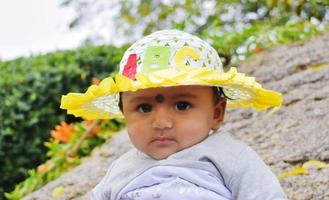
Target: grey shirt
239	167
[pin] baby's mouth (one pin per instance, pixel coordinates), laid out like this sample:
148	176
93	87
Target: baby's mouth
162	140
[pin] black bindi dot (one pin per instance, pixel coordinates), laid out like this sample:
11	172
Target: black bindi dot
159	98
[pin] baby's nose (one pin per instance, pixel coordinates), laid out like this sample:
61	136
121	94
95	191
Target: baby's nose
162	120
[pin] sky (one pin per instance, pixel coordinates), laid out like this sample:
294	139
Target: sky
36	26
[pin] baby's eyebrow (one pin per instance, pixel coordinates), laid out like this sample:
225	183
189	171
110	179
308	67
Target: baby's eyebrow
184	95
175	96
139	99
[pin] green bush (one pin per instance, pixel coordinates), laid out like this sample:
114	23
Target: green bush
30	94
69	144
235	47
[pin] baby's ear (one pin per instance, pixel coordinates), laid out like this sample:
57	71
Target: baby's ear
219	112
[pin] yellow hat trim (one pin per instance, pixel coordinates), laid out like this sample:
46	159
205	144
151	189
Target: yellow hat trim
244	90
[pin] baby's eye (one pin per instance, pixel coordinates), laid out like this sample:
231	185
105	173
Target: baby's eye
144	108
182	105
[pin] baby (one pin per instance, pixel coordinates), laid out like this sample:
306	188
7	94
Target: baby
172	92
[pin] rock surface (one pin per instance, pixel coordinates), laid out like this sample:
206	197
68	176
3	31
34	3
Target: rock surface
297	133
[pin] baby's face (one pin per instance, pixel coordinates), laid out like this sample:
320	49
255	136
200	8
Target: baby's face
163	121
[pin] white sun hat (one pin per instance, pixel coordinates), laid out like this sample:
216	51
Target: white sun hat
163	59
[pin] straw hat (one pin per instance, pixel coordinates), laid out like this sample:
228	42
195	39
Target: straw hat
163	59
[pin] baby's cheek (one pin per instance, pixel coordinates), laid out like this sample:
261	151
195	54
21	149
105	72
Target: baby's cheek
193	134
132	132
137	134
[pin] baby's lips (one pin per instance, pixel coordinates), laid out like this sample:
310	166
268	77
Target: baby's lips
163	139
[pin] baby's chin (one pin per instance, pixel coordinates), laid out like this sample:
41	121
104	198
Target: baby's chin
160	155
163	152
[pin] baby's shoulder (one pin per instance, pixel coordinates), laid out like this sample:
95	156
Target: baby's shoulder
223	143
230	155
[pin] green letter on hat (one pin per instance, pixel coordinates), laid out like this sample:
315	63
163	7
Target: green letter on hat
155	58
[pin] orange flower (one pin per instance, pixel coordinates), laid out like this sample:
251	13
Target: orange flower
258	50
95	130
88	122
47	166
95	81
63	132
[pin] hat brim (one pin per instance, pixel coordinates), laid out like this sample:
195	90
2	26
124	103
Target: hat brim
101	101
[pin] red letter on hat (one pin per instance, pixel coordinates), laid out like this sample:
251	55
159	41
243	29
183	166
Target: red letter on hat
130	68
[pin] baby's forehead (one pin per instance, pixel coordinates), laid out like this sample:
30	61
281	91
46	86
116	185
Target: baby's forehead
170	90
160	94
